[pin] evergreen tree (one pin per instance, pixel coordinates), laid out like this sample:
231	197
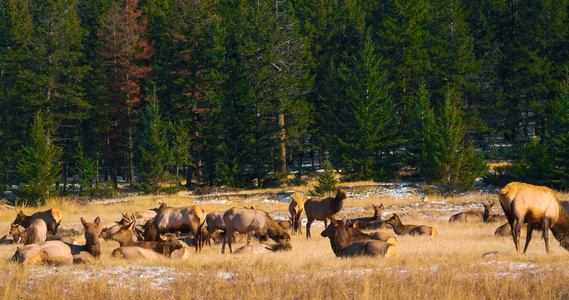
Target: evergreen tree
366	120
447	159
557	139
327	181
124	58
422	123
38	164
87	171
156	154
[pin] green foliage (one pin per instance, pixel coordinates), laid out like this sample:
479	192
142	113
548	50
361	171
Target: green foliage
38	165
327	181
446	158
536	164
87	170
273	180
367	120
155	151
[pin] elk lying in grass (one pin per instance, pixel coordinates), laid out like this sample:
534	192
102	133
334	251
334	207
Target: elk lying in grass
401	229
58	252
344	246
469	216
51	217
505	230
371	223
323	209
355	232
252	221
489	217
20	236
295	209
536	206
36	232
165	247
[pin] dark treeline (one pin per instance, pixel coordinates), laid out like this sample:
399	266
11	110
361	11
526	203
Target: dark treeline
239	93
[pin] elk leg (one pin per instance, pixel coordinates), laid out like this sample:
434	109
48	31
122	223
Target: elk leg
308	223
546	224
528	236
517	232
249	236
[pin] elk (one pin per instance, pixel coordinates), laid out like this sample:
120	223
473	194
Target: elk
323	209
285	224
252	221
536	206
355	232
19	236
505	230
52	218
344	246
165	247
469	216
295	209
401	229
36	232
58	252
214	221
172	219
489	217
371	223
260	248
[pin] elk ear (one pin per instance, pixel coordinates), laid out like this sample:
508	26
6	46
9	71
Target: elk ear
381	206
163	238
97	220
83	221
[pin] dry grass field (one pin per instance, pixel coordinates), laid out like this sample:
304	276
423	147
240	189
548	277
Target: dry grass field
449	266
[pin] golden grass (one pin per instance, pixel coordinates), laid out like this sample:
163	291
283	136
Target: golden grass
449	266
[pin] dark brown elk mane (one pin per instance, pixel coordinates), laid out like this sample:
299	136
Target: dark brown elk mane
561	229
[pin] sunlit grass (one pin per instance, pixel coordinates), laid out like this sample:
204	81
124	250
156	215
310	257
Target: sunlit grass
449	266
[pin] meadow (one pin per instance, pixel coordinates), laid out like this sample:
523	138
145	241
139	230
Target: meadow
465	261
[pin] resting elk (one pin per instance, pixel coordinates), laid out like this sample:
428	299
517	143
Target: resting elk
252	221
469	216
295	209
51	217
371	223
36	232
344	246
489	217
58	252
167	246
323	209
172	219
355	232
401	229
536	206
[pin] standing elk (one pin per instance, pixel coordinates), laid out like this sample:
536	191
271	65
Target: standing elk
400	229
51	217
295	209
344	246
536	206
36	232
214	221
172	219
489	217
323	209
252	221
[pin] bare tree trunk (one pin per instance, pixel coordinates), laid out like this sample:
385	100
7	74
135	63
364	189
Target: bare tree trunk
282	145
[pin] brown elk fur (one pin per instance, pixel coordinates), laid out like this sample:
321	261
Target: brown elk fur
355	232
536	206
51	217
260	248
469	216
214	221
36	232
489	217
344	246
252	221
285	224
295	209
165	247
323	209
172	219
58	252
400	229
505	230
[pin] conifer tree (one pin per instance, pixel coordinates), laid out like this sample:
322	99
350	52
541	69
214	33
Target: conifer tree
38	164
156	154
87	170
366	120
327	181
447	159
557	138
